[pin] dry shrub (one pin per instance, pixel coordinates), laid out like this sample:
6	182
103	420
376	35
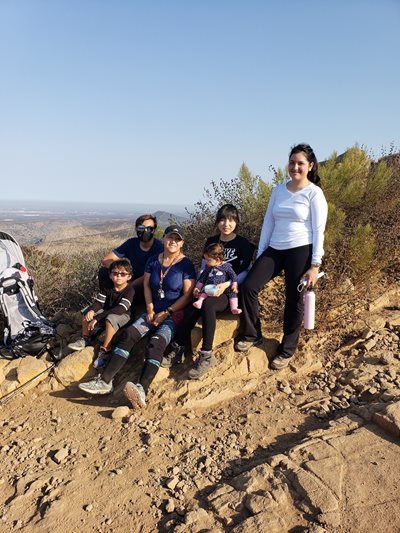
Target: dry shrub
65	280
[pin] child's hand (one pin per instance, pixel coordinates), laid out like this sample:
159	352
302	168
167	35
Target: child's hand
89	315
92	324
221	287
234	287
196	292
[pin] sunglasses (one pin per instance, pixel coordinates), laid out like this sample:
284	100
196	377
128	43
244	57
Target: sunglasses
121	274
145	228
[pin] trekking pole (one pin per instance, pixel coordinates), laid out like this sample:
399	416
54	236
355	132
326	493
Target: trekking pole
16	391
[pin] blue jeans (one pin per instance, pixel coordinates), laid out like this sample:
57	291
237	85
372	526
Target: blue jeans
160	337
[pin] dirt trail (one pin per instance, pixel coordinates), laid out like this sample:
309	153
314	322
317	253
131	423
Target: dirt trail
300	450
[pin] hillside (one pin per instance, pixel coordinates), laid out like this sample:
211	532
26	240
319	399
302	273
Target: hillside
245	449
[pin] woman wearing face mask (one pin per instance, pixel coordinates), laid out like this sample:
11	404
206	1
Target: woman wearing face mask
168	285
137	250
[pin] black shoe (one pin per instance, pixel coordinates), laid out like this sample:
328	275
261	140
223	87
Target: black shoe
174	356
205	361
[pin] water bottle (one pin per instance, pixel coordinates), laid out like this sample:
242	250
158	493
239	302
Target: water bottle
309	309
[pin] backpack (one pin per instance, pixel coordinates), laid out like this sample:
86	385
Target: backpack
27	331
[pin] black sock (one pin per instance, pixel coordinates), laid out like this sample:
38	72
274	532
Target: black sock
115	364
148	374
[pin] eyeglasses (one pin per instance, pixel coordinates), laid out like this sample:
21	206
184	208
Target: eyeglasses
145	228
122	274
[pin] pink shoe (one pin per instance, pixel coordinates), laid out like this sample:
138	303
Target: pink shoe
198	303
233	303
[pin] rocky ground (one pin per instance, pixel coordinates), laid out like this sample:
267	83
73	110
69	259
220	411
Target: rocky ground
314	447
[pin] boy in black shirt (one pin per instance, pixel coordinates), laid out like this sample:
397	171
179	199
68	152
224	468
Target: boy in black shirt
111	307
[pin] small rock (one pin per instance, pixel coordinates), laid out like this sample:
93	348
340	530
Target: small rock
170	506
120	412
61	455
88	507
172	482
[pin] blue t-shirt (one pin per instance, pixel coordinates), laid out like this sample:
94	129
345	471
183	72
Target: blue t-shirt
172	282
138	258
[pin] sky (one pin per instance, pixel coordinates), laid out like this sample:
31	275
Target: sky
147	101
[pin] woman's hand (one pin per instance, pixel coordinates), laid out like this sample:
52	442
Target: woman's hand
92	324
196	292
150	317
160	317
89	315
312	276
221	287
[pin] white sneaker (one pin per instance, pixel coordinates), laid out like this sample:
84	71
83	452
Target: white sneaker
135	394
79	344
96	386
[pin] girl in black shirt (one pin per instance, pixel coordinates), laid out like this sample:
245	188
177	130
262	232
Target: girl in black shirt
238	251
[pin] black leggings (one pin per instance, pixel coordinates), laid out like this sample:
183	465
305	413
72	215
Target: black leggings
126	340
295	262
211	306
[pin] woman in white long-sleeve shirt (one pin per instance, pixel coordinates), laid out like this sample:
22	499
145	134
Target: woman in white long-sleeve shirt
291	239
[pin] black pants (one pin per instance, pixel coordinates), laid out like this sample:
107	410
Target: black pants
126	340
208	312
295	262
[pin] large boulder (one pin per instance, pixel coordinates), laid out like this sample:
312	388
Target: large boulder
227	328
17	372
75	366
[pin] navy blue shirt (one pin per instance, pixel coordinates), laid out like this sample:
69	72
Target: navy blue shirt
172	283
138	257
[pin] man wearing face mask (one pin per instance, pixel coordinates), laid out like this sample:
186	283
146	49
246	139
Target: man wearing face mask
137	250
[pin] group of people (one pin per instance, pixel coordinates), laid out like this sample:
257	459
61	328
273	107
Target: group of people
159	273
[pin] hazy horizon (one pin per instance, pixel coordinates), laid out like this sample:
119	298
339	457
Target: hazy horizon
15	206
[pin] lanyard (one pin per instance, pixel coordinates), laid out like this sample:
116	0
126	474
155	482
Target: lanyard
161	293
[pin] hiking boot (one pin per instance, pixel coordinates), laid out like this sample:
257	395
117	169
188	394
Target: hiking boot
244	346
174	356
205	361
135	394
79	344
96	386
280	362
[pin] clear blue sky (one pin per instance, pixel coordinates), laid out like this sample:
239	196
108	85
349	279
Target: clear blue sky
147	101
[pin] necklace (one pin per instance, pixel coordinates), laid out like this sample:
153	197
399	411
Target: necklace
161	293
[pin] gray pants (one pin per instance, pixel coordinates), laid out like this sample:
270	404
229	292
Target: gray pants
116	321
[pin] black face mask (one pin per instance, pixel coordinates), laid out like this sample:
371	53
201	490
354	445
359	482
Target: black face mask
145	235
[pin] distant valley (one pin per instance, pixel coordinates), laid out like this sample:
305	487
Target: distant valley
55	225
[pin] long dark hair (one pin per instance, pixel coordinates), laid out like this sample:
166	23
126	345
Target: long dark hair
311	158
227	211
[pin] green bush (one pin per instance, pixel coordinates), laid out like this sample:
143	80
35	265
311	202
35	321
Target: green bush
361	249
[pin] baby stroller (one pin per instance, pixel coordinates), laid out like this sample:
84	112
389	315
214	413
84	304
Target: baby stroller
27	331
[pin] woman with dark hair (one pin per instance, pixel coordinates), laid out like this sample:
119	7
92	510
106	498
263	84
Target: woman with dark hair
291	239
168	285
238	252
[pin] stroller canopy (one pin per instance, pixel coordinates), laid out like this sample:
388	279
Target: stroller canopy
10	252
